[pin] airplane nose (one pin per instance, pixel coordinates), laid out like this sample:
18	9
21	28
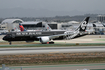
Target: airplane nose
4	38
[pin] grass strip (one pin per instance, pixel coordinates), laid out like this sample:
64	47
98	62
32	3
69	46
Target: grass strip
53	45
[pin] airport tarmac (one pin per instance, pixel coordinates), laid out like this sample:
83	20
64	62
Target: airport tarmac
85	39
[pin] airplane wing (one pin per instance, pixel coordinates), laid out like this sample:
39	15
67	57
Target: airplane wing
59	35
44	39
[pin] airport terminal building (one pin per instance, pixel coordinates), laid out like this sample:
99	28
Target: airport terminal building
101	18
7	25
4	23
97	28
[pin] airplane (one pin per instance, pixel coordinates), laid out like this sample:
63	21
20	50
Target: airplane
47	28
5	31
23	29
44	36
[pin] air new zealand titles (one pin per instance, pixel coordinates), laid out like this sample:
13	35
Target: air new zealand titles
28	33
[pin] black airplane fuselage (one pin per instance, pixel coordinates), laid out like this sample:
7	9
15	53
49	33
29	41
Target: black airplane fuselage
30	35
45	36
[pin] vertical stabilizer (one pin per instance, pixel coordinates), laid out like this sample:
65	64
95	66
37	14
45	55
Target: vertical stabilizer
21	27
48	28
83	24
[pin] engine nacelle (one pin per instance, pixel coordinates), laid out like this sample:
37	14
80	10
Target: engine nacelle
44	40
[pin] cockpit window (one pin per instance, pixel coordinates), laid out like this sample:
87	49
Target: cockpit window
8	35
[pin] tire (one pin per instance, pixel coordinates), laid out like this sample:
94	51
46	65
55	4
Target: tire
51	42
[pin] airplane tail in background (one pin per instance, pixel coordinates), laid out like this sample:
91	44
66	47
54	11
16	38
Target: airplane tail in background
48	28
15	28
21	27
83	24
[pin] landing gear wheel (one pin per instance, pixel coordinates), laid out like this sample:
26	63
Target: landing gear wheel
44	43
10	43
51	42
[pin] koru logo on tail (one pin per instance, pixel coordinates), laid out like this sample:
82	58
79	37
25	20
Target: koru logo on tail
83	26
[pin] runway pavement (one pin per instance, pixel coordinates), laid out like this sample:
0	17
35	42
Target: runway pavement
40	50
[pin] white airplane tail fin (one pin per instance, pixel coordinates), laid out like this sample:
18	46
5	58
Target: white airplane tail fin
48	28
15	28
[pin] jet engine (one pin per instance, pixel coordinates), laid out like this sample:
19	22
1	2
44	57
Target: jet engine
44	40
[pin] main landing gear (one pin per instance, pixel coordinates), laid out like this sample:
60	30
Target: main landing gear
10	43
49	42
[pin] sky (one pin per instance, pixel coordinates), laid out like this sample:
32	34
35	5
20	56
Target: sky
51	7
